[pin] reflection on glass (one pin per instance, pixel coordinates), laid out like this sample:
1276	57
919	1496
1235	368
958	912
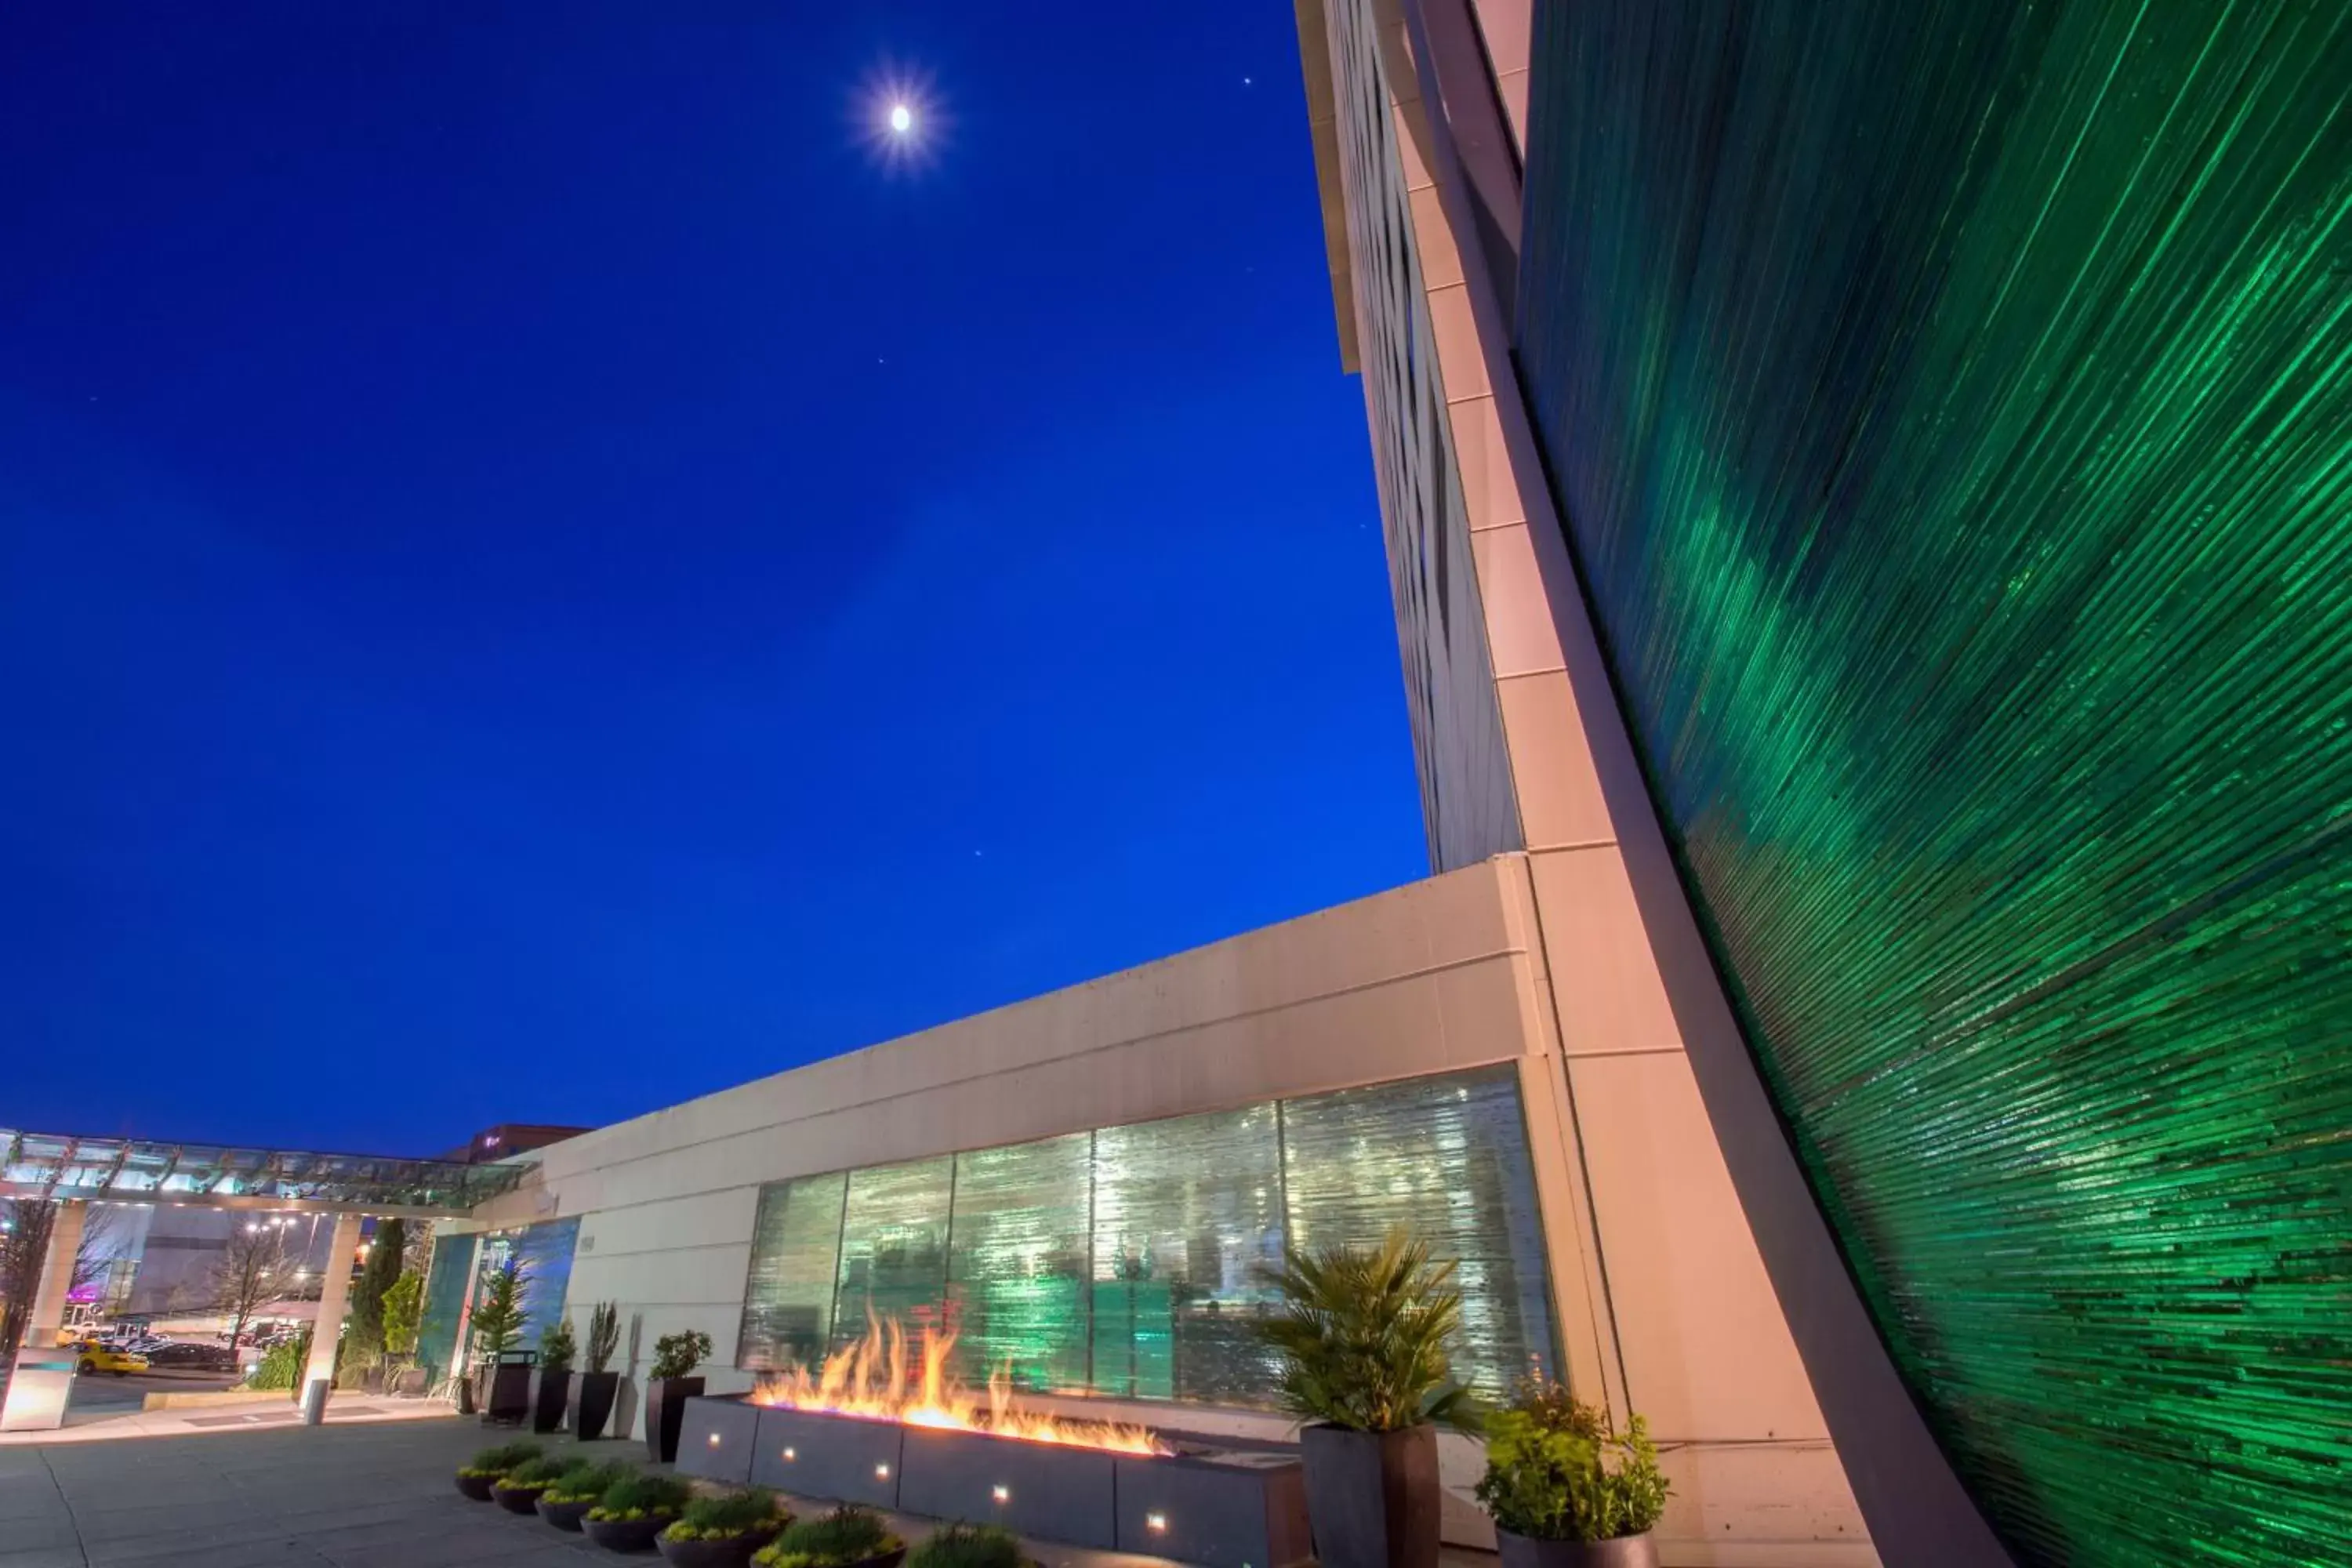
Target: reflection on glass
1447	1157
795	1258
894	1248
1122	1262
1183	1212
446	1281
1017	1263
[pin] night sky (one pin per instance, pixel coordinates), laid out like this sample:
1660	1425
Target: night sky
542	572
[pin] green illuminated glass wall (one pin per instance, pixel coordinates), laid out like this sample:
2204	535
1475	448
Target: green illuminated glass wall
1949	411
1123	1262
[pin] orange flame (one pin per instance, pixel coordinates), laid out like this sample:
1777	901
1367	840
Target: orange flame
869	1380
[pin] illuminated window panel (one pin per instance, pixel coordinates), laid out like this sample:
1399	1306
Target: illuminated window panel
1184	1211
1447	1157
894	1248
795	1261
1018	1262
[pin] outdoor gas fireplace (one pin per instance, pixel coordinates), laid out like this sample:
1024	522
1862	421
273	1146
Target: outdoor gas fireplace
866	1427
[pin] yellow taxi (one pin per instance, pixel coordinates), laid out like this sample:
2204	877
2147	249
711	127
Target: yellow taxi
91	1356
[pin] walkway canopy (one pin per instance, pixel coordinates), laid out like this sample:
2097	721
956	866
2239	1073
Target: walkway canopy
210	1175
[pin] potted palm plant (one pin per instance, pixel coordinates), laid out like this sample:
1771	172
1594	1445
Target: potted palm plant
567	1498
636	1510
723	1531
505	1372
592	1403
848	1537
668	1386
477	1475
1361	1338
556	1350
1565	1492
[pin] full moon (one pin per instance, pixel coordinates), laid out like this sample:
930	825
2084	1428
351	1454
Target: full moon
902	118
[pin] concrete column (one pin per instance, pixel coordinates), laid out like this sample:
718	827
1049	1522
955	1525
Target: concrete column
334	1295
57	1274
42	1380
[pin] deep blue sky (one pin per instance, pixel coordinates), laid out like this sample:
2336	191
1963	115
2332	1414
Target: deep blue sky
539	577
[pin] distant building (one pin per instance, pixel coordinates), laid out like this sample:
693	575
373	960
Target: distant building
509	1138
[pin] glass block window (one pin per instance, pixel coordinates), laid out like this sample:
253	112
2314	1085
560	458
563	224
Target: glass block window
894	1248
1448	1158
1124	1262
448	1280
795	1266
1017	1262
1185	1211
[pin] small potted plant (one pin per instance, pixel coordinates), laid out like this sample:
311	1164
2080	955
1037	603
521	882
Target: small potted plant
479	1474
668	1386
723	1531
962	1545
848	1537
556	1350
1361	1337
498	1323
569	1496
1565	1492
592	1405
518	1491
634	1511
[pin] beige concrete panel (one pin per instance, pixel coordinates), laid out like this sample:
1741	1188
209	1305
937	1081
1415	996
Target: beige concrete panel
1410	162
1507	27
683	1276
1490	490
1579	1293
1440	259
1521	636
1461	362
1603	976
708	1219
1512	87
1761	1505
1481	1017
1707	1354
1560	804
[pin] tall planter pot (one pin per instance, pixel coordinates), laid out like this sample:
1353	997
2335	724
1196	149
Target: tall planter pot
505	1395
554	1394
1625	1552
1373	1497
666	1400
592	1403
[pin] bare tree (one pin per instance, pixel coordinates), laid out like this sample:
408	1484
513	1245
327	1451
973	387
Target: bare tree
25	1226
252	1271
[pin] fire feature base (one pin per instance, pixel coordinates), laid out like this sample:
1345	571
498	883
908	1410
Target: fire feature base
1217	1509
716	1438
836	1457
1223	1510
1049	1490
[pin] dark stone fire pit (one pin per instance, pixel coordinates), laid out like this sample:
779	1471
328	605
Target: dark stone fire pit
1219	1509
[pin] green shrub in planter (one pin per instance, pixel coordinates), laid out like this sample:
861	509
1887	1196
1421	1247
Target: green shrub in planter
970	1546
678	1354
585	1481
491	1464
534	1474
639	1496
846	1535
724	1518
1555	1472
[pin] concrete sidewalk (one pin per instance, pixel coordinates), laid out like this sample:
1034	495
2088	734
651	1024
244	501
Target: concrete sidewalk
242	1414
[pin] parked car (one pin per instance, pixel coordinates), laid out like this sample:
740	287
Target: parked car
92	1356
188	1356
